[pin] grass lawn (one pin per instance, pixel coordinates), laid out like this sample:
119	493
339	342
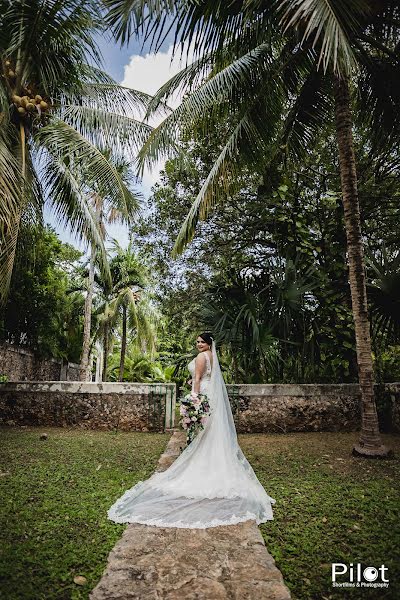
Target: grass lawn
54	496
330	507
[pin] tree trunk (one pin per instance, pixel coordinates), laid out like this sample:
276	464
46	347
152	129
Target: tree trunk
370	444
84	371
123	343
87	320
105	353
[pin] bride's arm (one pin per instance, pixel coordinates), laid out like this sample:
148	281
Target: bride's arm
200	366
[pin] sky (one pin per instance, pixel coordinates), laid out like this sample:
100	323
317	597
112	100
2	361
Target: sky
139	68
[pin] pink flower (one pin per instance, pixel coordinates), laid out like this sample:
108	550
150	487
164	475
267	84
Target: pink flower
186	420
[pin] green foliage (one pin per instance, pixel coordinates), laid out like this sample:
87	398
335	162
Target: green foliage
267	272
42	312
269	92
127	307
139	367
387	364
384	293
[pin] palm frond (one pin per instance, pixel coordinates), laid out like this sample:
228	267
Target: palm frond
312	105
64	142
56	35
226	85
70	202
11	209
378	99
211	188
110	96
186	79
106	129
329	24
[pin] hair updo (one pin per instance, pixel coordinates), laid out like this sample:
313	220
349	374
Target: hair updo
207	338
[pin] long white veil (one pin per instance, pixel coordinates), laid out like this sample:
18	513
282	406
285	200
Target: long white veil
211	483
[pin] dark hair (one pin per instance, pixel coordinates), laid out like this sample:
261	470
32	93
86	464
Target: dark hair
206	337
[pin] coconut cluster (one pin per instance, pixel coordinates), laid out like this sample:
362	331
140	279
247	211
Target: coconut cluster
29	103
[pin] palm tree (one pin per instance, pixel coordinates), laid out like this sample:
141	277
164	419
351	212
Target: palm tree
106	212
128	303
249	74
259	313
58	110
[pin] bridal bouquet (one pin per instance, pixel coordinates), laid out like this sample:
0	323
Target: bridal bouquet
194	410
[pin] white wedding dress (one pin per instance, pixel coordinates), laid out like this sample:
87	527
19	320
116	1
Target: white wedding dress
211	483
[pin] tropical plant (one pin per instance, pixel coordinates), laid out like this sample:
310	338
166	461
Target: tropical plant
127	302
58	110
138	367
246	72
105	211
384	295
236	311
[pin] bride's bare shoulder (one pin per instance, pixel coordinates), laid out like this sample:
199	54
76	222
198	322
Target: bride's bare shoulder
210	356
200	358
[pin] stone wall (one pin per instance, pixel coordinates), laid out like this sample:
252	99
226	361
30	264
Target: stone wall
125	406
21	364
148	407
280	408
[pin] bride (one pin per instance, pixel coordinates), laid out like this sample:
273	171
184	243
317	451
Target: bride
211	482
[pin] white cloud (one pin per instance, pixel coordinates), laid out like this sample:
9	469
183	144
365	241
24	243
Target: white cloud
148	73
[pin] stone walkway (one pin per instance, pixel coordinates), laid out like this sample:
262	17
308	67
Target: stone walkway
153	563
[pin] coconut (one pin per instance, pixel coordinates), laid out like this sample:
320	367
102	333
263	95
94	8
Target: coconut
38	98
30	106
16	99
11	74
44	105
21	110
8	63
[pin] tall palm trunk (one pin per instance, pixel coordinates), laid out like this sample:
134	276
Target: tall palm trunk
370	444
87	320
105	352
84	370
123	343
